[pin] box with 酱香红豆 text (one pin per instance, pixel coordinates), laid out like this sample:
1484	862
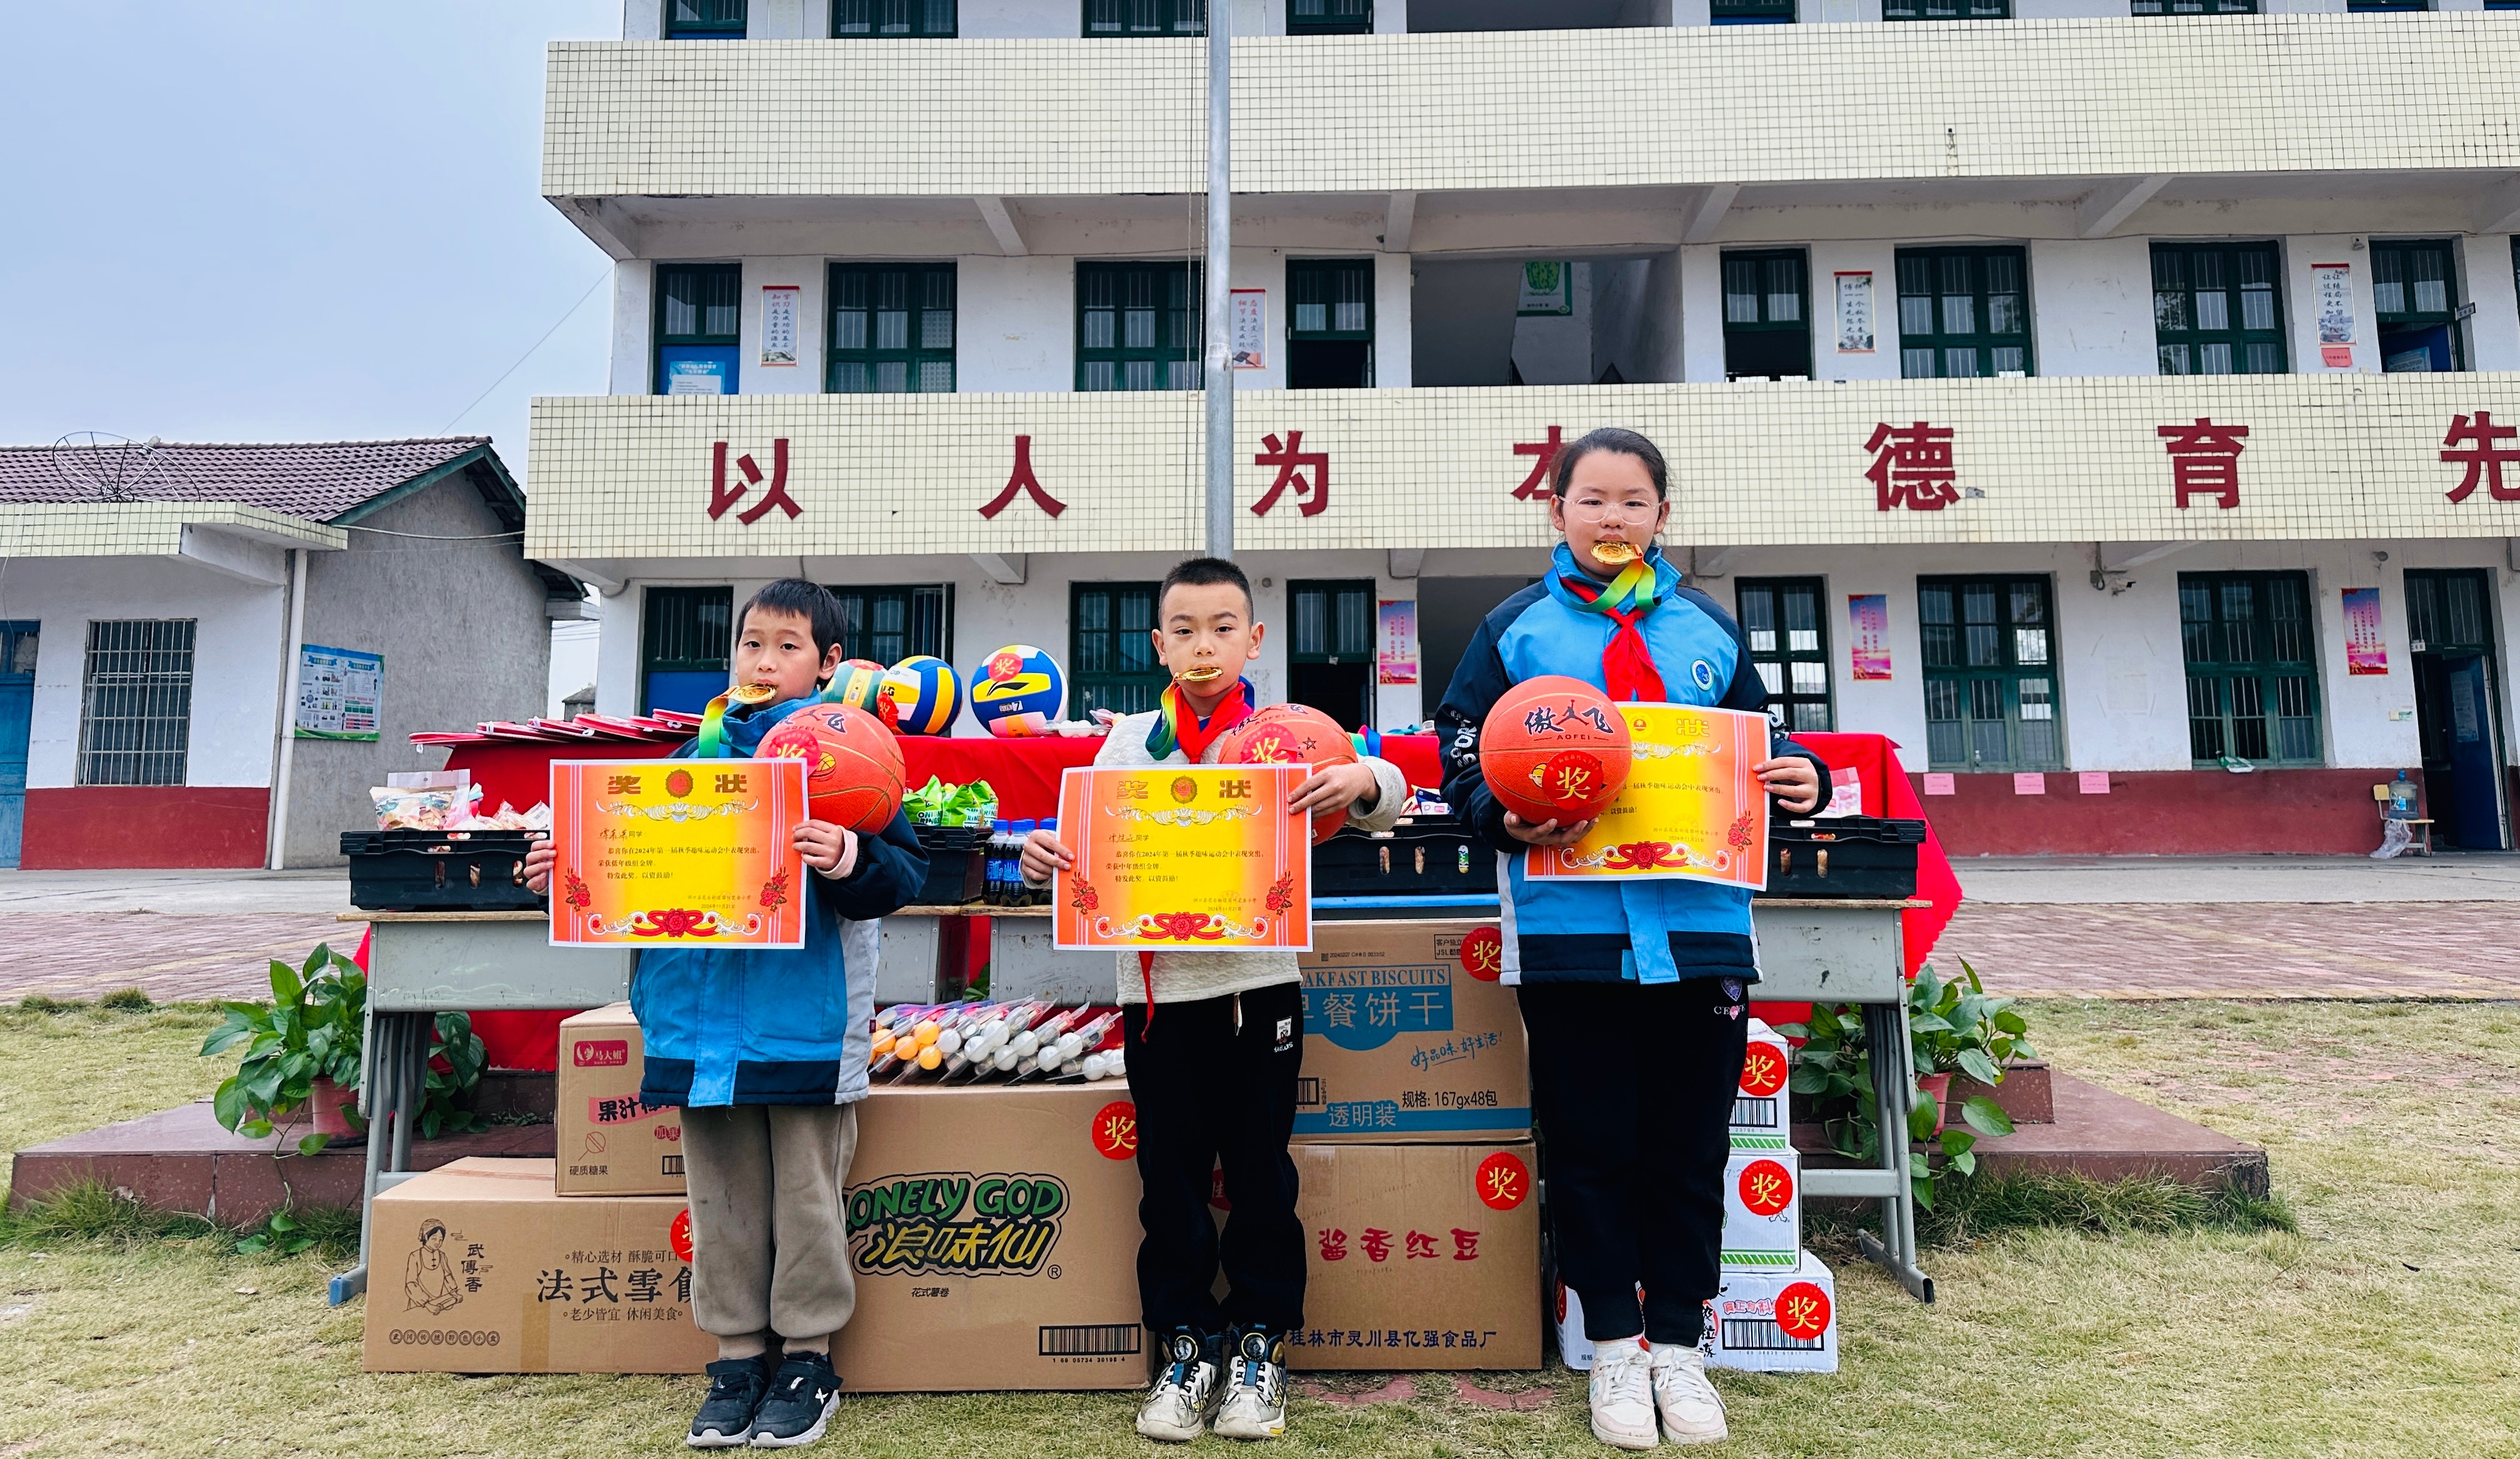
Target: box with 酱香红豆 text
480	1266
1409	1035
609	1143
993	1233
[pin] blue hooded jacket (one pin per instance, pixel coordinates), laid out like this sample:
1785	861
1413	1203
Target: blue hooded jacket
1642	931
749	1026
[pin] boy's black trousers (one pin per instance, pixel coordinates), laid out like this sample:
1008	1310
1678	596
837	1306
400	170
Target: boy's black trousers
1215	1080
1631	1086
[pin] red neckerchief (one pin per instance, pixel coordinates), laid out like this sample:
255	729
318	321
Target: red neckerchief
1628	666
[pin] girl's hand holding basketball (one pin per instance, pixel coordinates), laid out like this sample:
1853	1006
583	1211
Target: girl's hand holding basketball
1793	781
1546	832
831	850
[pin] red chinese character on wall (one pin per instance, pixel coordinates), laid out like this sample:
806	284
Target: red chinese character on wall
1911	467
1535	487
1334	1245
2205	460
1292	460
722	496
1024	481
2485	461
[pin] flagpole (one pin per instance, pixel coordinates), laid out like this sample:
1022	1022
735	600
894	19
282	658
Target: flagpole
1220	282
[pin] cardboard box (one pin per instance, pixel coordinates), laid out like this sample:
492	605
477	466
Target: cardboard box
479	1266
1761	1321
1763	1205
1776	1321
1759	1106
1420	1256
1408	1036
994	1234
608	1143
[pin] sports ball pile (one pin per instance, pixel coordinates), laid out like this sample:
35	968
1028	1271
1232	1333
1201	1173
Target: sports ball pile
1555	748
1009	1043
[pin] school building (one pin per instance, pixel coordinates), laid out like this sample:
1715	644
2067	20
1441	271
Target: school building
2115	402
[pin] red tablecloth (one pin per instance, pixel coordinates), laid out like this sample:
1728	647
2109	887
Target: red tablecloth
1025	775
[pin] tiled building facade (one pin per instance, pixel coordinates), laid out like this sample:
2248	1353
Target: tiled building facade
2025	411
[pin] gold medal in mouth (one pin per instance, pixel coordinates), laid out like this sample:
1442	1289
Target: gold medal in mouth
1202	674
1613	553
751	693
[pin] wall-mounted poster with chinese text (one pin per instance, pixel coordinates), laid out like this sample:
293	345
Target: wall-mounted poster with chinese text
339	691
2366	647
2331	293
1869	616
1249	335
779	305
1855	313
1545	289
1395	653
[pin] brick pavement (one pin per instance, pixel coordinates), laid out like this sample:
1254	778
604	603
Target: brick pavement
2244	949
173	957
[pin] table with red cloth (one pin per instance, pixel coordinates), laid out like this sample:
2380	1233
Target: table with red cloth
1025	774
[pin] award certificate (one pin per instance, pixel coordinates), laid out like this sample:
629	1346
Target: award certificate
1185	858
1690	807
654	852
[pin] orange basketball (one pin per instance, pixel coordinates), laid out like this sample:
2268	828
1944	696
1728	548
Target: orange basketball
1292	735
852	764
1555	748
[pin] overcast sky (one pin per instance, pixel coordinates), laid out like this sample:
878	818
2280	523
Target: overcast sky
269	220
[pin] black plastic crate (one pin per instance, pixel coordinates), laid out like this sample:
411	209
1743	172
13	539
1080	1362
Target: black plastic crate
957	865
1844	855
1421	856
440	870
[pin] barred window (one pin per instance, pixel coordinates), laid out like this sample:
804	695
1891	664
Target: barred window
136	716
2252	670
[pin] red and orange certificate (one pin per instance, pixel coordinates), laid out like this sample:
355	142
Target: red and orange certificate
666	852
1690	806
1185	858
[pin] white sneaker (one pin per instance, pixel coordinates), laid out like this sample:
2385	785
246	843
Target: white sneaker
1255	1390
1692	1411
1623	1410
1176	1409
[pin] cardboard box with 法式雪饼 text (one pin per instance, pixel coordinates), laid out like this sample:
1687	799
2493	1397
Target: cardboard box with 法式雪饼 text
1418	1257
1409	1036
993	1232
608	1143
479	1266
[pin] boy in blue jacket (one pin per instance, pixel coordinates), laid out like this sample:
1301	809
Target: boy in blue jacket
1647	978
766	1053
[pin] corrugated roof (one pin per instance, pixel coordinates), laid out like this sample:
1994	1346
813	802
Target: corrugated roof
318	481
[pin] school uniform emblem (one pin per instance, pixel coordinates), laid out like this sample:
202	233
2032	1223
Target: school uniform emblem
1702	674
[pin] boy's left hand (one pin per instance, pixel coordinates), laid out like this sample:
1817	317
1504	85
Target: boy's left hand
1793	781
1335	788
829	849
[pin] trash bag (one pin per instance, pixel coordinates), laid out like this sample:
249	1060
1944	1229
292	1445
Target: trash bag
2394	840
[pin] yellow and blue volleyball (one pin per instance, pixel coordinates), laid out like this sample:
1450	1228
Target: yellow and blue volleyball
925	693
1018	691
858	683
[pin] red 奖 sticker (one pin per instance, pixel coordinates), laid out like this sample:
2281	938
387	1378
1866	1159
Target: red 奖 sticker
1763	1070
1502	1181
1115	1130
1802	1311
1573	779
679	1235
1767	1188
1483	953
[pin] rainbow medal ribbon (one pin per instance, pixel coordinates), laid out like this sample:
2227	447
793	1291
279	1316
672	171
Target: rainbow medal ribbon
1173	713
712	736
1632	590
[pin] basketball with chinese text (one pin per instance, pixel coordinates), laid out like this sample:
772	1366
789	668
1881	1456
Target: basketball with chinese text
1555	748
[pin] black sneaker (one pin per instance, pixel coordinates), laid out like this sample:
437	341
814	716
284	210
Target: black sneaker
724	1420
798	1404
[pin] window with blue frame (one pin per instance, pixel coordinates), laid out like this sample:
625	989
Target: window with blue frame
685	638
932	19
1330	16
1145	16
704	20
2387	5
2414	292
699	310
1751	12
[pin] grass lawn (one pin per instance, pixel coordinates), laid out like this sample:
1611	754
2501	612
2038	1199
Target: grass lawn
2389	1324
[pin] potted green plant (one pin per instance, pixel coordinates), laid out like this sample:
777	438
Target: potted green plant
1962	1030
303	1047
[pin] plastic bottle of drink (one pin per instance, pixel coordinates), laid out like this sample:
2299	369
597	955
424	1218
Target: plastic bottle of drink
1018	894
1040	894
2402	798
1001	862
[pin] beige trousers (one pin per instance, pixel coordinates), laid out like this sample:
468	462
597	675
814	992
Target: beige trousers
772	1241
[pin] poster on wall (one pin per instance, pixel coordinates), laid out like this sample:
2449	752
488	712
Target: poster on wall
339	691
2366	649
1249	335
1869	613
2331	291
1396	656
779	305
1545	289
1855	313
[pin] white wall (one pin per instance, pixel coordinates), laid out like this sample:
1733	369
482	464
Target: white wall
1395	357
2300	253
1020	18
634	313
1827	261
236	659
1266	269
2493	330
643	19
809	277
1015	328
1701	313
2090	305
1557	349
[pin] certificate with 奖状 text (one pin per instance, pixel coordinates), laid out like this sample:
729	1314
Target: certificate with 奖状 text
661	853
1185	858
1690	807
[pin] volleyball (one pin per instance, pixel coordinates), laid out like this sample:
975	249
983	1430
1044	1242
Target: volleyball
1294	735
1555	748
852	764
924	695
859	683
1018	691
